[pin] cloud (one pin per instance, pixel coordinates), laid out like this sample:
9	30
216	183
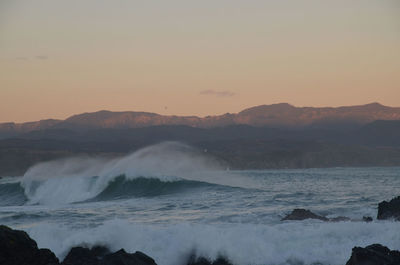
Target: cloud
22	58
42	57
217	93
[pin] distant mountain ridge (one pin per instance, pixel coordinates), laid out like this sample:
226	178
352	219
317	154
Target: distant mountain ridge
275	115
267	136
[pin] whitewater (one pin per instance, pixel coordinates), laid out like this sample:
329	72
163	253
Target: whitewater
171	201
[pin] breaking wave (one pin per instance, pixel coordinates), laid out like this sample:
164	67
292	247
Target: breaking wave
12	194
120	188
154	170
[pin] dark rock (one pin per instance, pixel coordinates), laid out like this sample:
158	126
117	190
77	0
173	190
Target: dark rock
100	251
17	248
122	258
101	256
302	214
389	210
85	256
374	255
203	261
47	257
367	219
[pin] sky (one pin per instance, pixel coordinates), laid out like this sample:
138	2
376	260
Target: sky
183	57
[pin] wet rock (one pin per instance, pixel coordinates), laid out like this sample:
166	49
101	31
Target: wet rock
302	214
389	210
122	258
102	256
85	256
367	219
17	248
374	255
46	256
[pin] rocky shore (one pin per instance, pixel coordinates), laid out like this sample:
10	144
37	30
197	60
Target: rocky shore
374	255
17	248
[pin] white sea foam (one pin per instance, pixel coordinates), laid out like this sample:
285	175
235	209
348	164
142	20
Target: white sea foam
242	225
286	243
71	180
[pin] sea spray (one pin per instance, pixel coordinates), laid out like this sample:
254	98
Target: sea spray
82	178
243	244
171	217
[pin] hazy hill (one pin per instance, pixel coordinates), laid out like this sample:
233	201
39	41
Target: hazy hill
277	115
269	136
10	128
236	146
378	133
289	116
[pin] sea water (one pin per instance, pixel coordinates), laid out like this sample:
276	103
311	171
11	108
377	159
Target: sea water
171	201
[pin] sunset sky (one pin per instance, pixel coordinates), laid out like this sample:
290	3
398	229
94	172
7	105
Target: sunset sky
59	58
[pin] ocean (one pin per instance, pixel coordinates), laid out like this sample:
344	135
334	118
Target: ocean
171	201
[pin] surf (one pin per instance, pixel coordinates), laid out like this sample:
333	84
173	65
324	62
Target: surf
80	179
12	194
284	244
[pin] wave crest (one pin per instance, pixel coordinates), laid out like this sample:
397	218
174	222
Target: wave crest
12	194
83	178
121	188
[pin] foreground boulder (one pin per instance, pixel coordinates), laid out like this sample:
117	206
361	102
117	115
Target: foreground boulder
102	256
17	248
85	256
389	210
302	214
122	258
374	255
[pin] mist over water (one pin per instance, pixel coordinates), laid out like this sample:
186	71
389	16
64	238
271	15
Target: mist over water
171	200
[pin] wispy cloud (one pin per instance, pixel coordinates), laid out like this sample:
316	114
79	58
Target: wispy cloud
41	57
217	93
37	57
21	58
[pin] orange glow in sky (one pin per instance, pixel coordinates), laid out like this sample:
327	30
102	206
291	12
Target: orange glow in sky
59	58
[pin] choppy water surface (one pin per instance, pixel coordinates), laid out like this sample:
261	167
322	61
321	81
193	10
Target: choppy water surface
169	203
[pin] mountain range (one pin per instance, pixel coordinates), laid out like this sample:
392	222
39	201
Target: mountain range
281	115
268	136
